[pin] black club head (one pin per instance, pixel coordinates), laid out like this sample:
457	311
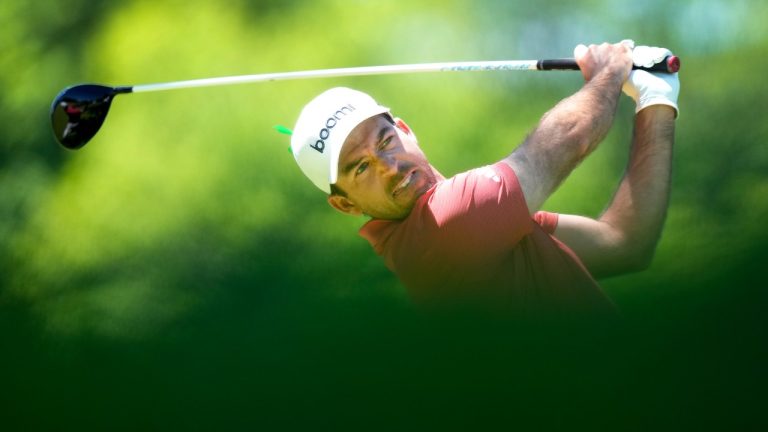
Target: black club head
78	112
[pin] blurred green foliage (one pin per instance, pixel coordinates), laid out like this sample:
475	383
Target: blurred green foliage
180	272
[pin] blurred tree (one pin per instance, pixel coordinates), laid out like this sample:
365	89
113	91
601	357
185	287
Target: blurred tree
181	266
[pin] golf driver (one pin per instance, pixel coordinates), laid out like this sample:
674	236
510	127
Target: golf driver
78	112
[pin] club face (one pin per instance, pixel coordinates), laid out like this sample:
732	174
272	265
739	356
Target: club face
78	112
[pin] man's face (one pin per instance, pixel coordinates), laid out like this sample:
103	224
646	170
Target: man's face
382	170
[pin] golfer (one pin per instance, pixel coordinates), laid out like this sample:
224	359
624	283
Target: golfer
478	238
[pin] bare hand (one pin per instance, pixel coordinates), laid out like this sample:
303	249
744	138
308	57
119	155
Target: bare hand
615	60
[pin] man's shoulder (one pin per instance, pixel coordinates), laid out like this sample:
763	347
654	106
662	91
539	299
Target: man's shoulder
495	173
489	188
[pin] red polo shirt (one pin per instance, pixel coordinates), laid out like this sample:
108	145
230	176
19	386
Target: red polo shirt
470	241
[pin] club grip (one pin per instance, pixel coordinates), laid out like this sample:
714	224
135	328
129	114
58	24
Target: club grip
670	64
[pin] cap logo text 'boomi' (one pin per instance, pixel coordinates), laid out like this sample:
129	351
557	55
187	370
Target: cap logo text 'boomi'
332	121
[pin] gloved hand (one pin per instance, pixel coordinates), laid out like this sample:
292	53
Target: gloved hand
648	88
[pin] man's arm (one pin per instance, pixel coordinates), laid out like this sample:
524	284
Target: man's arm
573	128
624	238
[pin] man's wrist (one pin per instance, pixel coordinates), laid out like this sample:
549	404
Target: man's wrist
613	77
656	114
657	103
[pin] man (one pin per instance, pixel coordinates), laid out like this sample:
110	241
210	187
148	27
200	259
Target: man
478	239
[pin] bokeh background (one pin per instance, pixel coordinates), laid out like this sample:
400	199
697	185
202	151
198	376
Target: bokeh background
180	273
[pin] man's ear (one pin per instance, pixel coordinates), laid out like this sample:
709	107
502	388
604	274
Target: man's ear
344	205
402	126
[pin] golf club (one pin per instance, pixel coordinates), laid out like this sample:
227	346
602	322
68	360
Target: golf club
78	112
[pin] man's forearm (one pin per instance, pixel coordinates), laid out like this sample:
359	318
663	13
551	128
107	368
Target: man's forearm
639	206
586	117
564	137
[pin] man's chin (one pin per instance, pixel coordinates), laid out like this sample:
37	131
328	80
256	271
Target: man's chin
406	202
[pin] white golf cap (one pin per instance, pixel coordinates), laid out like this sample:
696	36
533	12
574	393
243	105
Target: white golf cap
323	126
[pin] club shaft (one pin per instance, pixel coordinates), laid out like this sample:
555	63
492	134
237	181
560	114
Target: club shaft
345	72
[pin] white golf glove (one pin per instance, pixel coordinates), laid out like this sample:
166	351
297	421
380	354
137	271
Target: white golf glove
648	88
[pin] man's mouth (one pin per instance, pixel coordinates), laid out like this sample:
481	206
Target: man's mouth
404	183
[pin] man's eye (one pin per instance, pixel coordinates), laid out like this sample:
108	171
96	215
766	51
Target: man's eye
385	143
361	168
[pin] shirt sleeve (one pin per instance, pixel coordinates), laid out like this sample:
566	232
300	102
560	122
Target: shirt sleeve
483	208
547	221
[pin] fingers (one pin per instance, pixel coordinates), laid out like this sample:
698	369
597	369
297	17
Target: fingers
648	56
611	58
579	51
604	50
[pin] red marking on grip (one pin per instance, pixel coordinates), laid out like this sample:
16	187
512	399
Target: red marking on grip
673	64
